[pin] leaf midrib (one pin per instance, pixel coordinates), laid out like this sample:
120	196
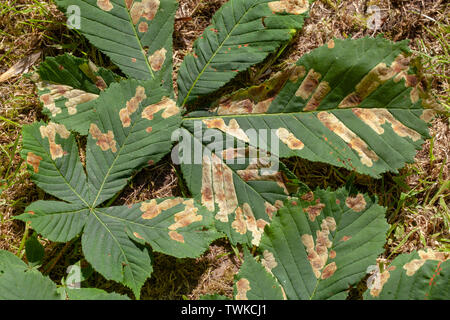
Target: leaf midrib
278	114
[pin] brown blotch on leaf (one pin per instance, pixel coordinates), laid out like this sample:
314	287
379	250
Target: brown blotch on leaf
268	261
289	6
330	44
131	106
320	93
105	5
308	85
143	27
239	223
50	132
414	265
289	139
146	9
345	238
104	140
176	236
152	209
428	115
332	254
318	254
309	196
137	235
297	73
329	270
232	128
207	186
34	160
374	118
357	203
157	59
242	286
168	105
76	97
245	106
128	3
186	217
334	124
314	211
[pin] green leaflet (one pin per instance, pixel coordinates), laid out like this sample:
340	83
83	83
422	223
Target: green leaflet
243	33
423	275
253	282
352	103
319	245
136	35
67	87
132	128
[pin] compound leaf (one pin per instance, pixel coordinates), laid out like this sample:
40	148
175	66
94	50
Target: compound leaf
243	33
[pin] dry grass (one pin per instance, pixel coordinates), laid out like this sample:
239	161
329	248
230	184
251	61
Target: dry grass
417	199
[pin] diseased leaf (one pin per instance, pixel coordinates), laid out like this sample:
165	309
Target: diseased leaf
422	275
356	104
243	33
136	35
317	246
235	184
52	155
255	281
132	128
67	87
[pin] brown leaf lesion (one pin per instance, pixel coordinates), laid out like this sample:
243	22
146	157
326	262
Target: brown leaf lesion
105	5
318	254
146	9
357	203
168	105
330	121
289	139
157	59
131	106
50	131
308	85
242	287
34	161
104	140
289	6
